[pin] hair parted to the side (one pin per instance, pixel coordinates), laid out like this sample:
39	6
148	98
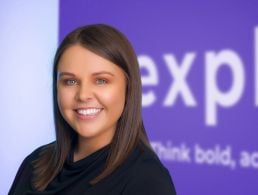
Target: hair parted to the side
111	44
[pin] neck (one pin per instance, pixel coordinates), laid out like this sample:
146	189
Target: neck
85	147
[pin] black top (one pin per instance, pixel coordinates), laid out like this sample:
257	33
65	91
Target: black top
142	173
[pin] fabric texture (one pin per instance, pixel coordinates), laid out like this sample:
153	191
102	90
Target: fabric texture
141	173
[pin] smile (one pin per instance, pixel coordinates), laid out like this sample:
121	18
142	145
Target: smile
88	111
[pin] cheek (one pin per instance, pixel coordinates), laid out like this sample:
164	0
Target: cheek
64	98
114	99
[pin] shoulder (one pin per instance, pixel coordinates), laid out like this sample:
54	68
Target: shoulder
27	162
35	154
149	162
24	173
149	176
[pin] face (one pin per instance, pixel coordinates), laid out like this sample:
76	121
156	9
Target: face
90	94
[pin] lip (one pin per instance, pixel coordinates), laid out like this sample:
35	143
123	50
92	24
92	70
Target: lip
87	117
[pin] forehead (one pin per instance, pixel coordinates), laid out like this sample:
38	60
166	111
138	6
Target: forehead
78	59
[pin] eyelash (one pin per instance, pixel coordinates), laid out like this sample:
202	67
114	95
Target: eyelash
67	82
103	81
75	82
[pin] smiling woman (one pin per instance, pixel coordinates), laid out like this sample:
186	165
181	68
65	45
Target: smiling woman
91	97
101	146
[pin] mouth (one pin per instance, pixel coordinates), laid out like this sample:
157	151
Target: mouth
87	113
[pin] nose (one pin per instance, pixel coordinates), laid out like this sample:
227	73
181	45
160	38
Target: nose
84	93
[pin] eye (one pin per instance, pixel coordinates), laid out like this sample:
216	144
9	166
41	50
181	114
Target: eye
101	81
70	82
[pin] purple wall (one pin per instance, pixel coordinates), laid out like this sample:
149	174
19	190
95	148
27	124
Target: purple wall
199	66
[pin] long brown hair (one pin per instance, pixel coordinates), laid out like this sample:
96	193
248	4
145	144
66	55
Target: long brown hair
111	44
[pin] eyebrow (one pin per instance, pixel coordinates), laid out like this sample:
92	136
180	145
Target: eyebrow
103	72
60	74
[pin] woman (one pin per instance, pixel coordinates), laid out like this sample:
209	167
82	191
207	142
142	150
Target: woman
101	146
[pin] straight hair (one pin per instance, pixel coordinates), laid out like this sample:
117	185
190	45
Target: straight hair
112	45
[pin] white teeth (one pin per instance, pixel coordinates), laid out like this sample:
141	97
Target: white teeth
90	111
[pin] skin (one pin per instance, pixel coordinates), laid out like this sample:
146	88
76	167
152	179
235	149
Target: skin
88	81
